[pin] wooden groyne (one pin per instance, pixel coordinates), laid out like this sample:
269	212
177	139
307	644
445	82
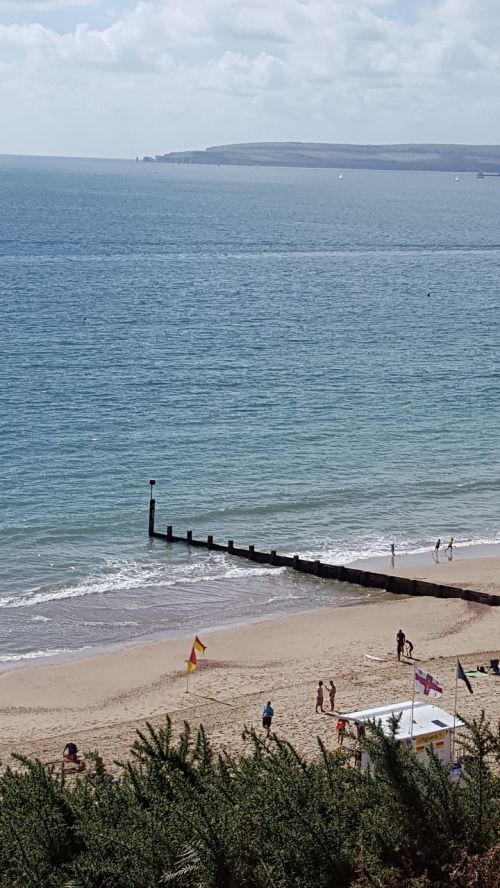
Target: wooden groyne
366	578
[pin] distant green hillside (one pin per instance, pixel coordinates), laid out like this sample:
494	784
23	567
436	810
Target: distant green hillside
451	158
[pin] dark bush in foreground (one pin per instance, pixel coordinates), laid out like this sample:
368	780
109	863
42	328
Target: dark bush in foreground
182	815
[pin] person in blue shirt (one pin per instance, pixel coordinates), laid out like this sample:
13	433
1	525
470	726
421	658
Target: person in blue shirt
267	717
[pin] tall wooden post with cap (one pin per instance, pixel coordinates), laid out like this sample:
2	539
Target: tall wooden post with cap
152	505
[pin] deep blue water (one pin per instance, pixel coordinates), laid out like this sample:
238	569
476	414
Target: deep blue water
262	343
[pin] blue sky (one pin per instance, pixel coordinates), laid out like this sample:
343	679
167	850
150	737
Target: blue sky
97	78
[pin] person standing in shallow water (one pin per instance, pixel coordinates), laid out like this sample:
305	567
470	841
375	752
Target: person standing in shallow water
449	548
319	698
436	549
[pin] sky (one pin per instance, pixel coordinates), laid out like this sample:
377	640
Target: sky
120	78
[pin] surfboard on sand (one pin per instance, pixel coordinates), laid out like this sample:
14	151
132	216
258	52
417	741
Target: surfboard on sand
379	659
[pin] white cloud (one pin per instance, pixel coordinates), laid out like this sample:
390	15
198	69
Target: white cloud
45	5
229	70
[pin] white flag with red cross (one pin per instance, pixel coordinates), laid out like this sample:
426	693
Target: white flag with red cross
426	684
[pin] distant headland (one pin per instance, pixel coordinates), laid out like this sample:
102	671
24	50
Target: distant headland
444	158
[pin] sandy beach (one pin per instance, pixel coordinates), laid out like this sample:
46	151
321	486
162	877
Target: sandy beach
99	702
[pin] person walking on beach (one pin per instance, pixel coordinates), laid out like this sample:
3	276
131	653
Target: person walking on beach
400	642
319	697
393	552
449	548
436	549
267	717
332	690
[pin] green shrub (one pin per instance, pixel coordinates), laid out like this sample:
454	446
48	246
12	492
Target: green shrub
182	814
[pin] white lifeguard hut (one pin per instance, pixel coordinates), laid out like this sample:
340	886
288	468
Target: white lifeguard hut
421	725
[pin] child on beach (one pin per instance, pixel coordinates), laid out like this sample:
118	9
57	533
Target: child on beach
449	548
267	717
319	697
340	728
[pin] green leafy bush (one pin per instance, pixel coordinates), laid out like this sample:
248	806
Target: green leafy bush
182	814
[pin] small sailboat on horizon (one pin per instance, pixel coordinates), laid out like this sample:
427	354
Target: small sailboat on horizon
341	175
457	179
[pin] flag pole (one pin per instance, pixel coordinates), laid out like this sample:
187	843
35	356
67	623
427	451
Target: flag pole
412	707
454	712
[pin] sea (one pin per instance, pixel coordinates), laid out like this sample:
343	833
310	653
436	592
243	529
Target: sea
301	362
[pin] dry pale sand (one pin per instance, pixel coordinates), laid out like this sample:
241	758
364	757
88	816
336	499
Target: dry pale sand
99	702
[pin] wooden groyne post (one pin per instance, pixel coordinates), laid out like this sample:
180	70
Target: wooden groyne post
365	578
152	507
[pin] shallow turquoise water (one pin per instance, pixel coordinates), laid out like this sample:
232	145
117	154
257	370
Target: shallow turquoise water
262	343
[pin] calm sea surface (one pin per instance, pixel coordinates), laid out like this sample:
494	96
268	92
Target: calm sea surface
261	342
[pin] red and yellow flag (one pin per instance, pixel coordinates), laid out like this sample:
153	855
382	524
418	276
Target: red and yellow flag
192	662
198	644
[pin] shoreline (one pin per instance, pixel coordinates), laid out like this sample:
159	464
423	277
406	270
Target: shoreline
423	558
101	700
473	572
475	567
365	597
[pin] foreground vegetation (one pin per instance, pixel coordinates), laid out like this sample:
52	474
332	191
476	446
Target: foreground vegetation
184	815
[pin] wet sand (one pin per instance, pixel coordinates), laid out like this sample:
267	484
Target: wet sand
469	567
